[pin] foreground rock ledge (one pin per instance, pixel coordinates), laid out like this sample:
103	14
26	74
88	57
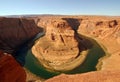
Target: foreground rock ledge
10	70
98	76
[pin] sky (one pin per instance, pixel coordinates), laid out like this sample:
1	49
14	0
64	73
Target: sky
61	7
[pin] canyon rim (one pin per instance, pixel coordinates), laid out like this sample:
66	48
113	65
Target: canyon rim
66	43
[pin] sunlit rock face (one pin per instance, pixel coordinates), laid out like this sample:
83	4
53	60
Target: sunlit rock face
100	27
106	30
10	70
100	76
58	46
53	51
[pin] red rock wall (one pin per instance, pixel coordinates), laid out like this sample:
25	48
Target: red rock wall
10	70
16	31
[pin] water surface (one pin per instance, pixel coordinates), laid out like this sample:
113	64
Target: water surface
94	54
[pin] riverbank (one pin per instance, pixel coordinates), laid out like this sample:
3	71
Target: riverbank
86	62
107	53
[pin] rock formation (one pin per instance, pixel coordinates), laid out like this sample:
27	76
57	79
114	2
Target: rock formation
100	27
105	30
99	76
60	45
10	70
62	48
16	33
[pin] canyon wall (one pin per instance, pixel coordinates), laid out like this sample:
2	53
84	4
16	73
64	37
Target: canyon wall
10	70
61	45
104	29
15	34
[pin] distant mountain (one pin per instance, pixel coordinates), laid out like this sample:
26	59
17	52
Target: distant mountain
34	15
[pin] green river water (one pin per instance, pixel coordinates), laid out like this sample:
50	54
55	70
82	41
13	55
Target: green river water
94	54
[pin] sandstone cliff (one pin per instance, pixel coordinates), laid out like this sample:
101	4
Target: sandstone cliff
105	30
15	33
10	70
61	44
99	76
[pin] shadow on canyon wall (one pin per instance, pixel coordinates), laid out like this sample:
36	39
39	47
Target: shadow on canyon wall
16	34
84	43
94	54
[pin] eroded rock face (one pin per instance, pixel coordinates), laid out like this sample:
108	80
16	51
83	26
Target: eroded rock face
59	45
100	76
10	70
15	32
106	30
100	27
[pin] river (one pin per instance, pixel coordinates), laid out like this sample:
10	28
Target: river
94	54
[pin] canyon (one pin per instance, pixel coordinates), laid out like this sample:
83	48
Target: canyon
15	33
67	42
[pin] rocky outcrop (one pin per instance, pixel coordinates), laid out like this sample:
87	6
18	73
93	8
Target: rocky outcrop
55	47
10	70
100	27
61	44
50	48
105	30
100	76
15	32
16	35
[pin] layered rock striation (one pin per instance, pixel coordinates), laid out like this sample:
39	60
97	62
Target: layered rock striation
62	48
106	30
10	70
103	29
15	34
61	45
